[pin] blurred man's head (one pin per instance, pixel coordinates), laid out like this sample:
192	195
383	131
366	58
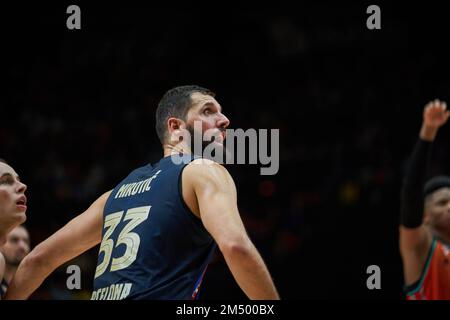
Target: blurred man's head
181	107
17	246
437	204
13	203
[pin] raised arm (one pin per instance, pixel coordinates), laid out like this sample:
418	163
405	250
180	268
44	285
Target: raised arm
415	241
215	192
80	234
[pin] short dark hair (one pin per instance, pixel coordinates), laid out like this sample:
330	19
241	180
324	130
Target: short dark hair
436	183
175	103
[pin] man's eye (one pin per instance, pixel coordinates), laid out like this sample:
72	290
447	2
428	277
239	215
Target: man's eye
207	111
6	181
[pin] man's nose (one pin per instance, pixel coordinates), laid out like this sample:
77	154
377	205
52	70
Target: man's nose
223	121
22	187
23	246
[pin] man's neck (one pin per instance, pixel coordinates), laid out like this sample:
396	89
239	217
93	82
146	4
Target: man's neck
4	232
179	148
10	271
440	236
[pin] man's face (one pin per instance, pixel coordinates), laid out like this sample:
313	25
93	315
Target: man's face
12	197
438	210
17	246
207	112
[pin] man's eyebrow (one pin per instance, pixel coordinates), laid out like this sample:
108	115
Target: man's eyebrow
9	174
210	103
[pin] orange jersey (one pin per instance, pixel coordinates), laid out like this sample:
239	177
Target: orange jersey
434	283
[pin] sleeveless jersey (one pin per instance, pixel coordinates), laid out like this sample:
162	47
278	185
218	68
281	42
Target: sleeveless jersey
153	246
434	282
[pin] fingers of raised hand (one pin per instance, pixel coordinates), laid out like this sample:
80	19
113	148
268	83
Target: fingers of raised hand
436	106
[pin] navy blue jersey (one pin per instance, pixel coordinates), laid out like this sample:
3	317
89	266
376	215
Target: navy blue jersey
153	246
3	288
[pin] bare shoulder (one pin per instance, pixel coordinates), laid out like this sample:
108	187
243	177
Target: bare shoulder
203	178
207	169
105	196
414	247
101	201
205	163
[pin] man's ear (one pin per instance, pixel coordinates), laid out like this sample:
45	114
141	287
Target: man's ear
174	124
175	128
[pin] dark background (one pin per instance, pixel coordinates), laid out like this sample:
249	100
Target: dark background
77	115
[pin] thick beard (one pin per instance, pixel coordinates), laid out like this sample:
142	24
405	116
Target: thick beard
15	262
219	146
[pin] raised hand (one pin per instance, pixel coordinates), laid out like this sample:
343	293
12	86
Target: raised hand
435	115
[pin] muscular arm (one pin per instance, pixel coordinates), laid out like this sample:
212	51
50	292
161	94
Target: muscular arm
412	200
217	206
415	240
80	234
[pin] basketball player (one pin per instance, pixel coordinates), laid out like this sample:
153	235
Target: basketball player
13	207
159	227
16	247
425	217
